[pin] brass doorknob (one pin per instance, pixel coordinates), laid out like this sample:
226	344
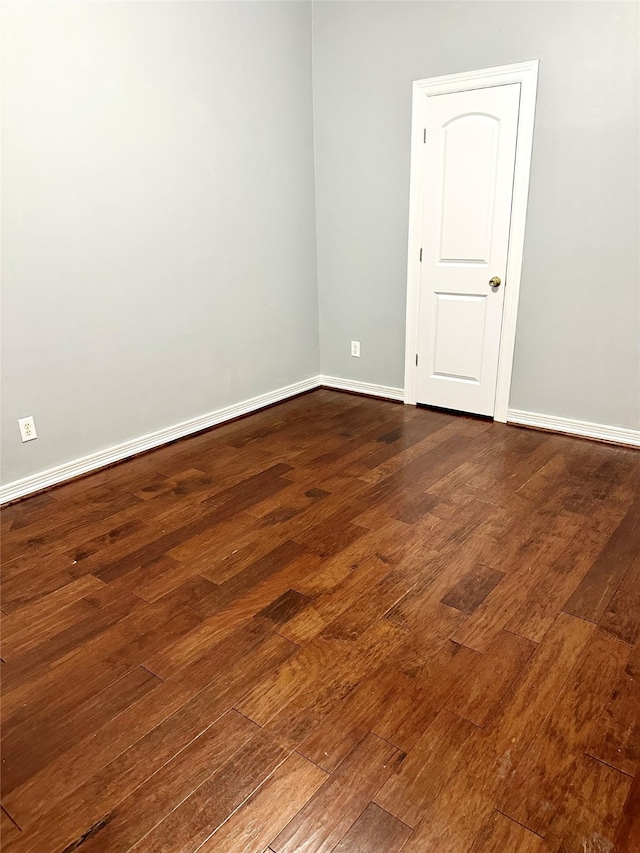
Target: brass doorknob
495	281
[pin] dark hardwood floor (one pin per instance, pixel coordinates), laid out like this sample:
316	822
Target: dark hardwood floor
340	624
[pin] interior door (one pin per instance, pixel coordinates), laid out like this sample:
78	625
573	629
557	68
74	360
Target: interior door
469	158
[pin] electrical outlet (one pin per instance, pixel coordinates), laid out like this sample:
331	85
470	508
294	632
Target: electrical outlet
27	428
355	349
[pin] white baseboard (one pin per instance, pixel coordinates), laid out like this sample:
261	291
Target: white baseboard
45	479
367	388
69	470
601	432
53	476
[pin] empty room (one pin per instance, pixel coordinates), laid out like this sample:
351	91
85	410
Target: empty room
320	426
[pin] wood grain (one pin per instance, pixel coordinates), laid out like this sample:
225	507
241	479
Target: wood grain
375	831
204	811
292	785
335	807
480	695
500	833
594	593
472	590
338	624
622	617
591	809
427	767
628	833
544	774
616	739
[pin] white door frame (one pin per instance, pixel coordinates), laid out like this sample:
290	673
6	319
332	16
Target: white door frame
525	73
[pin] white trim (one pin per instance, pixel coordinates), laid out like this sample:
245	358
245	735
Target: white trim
367	388
525	73
600	432
45	479
53	476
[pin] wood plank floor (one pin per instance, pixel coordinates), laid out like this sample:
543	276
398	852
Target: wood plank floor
340	624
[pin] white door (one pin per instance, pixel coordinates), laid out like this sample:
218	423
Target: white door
468	168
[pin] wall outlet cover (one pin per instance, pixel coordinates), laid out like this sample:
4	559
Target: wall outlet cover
355	349
27	428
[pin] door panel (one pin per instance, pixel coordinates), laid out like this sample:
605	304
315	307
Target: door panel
469	157
459	336
467	188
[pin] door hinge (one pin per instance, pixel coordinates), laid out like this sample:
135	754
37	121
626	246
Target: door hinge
420	255
424	138
416	359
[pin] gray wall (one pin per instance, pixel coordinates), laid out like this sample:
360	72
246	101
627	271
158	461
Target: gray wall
159	201
159	223
577	348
